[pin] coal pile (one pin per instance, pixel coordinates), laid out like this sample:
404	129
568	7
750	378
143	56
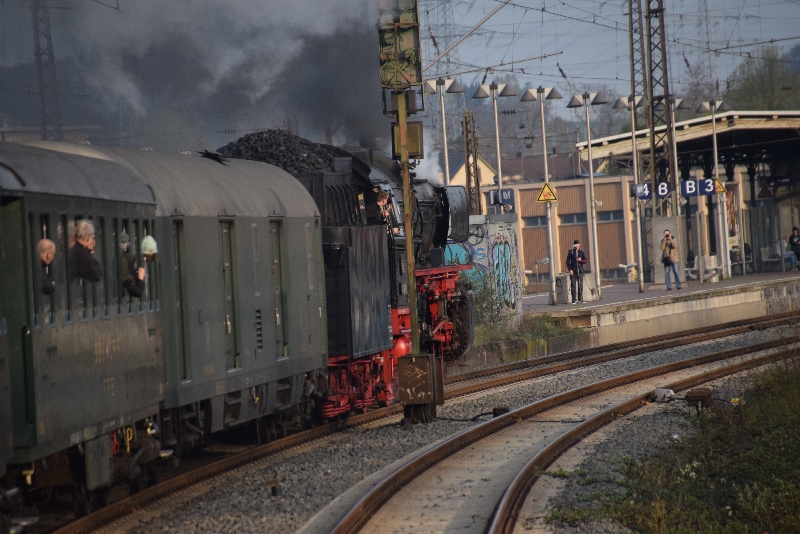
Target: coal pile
291	153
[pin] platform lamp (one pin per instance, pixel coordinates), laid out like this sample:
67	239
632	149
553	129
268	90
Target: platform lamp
541	94
631	103
494	90
585	100
722	214
443	86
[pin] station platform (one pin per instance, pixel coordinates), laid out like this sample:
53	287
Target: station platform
624	313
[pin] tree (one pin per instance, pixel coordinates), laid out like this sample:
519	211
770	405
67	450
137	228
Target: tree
770	81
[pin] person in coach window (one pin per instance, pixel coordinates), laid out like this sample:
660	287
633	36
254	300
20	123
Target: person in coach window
86	265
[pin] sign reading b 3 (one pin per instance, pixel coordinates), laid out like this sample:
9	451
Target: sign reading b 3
691	188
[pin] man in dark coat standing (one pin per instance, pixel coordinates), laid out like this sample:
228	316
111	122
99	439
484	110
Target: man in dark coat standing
576	259
86	265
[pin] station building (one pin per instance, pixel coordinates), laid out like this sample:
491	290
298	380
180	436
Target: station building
759	160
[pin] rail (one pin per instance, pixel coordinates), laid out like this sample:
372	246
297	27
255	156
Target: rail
564	361
365	508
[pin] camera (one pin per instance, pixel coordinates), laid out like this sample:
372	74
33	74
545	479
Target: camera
574	247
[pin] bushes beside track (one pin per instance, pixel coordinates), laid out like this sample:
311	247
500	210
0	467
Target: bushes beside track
738	471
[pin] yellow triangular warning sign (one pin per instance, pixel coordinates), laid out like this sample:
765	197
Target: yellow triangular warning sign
718	187
765	193
547	194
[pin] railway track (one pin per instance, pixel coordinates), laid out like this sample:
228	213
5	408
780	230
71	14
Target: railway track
478	479
455	387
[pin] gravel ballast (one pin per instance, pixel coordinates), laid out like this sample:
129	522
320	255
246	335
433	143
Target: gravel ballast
312	478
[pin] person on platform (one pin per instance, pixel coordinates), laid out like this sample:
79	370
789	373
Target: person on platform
86	265
794	241
781	252
669	257
576	259
47	251
132	276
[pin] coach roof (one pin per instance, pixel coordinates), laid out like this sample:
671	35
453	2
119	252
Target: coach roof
34	169
190	185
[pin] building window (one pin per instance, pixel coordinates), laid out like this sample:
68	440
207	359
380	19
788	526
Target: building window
530	222
573	218
609	216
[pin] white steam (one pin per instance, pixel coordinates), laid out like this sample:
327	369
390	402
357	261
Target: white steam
429	167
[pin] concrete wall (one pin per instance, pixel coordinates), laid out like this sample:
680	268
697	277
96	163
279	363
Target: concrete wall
684	312
494	251
643	319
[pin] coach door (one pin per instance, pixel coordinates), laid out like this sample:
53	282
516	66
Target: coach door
230	303
179	297
276	254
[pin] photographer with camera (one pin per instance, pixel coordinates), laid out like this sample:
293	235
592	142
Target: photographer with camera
576	259
669	257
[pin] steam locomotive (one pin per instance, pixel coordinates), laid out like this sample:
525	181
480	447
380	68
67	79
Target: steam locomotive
270	303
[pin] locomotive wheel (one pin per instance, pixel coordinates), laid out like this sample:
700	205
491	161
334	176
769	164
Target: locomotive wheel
136	485
80	504
84	501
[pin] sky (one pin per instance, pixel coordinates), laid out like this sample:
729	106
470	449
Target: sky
592	36
206	72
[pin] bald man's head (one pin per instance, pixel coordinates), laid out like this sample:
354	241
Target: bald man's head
46	250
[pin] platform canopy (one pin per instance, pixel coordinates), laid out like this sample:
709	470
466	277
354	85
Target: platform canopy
743	138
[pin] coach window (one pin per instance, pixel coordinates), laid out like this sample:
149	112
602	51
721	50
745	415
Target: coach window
66	234
79	285
37	276
124	296
156	295
136	245
100	253
48	300
117	259
151	267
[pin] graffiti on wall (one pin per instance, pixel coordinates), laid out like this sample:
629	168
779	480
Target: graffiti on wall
494	253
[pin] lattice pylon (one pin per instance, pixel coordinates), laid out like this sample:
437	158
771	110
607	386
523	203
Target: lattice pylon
46	73
639	83
438	27
658	91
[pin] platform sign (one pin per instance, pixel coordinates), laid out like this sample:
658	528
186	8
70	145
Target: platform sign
692	188
641	191
506	197
688	188
663	189
547	194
